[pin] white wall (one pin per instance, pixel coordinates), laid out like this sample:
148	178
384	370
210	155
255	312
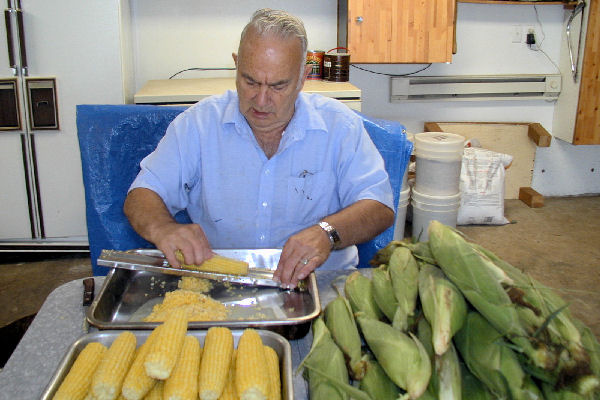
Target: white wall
170	36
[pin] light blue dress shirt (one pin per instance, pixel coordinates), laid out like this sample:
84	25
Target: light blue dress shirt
210	164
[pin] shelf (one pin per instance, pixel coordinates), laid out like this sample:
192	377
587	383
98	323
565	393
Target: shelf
566	4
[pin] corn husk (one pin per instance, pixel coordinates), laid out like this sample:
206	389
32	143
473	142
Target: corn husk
383	292
473	388
489	358
483	283
325	364
342	326
402	357
443	305
404	274
377	384
359	292
551	394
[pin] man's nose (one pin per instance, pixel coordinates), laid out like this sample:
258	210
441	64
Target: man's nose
262	97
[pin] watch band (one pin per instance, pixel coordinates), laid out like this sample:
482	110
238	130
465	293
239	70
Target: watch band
334	237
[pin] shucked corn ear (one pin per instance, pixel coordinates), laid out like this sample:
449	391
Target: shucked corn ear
404	274
325	357
273	373
164	352
108	378
251	379
137	383
217	263
216	359
359	292
77	382
403	358
342	326
183	382
383	292
229	392
443	305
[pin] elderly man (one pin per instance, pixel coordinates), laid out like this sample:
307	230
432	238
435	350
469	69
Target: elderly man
265	167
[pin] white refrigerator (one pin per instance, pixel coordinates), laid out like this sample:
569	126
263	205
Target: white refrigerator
54	55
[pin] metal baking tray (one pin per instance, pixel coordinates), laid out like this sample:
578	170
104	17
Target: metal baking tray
127	297
272	339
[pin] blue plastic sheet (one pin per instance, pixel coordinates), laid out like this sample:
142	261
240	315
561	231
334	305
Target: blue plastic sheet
113	139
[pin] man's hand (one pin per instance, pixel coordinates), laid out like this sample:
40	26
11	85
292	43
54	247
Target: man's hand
302	253
189	238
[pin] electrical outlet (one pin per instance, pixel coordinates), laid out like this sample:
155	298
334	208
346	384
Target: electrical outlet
516	34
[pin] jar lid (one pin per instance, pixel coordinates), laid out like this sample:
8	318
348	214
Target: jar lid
439	142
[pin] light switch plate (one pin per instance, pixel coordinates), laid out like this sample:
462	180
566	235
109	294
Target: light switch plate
43	111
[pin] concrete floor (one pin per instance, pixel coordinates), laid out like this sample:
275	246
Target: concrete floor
558	244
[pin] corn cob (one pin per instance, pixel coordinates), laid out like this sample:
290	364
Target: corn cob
443	305
183	382
137	383
229	392
165	349
251	381
377	384
359	292
342	326
156	393
216	359
404	273
489	358
325	359
77	382
108	378
217	263
403	358
273	373
383	292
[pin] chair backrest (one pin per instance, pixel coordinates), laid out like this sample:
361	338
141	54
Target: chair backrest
113	139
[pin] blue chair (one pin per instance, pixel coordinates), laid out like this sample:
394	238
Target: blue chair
113	139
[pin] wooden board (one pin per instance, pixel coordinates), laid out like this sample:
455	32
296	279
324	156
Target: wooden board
512	139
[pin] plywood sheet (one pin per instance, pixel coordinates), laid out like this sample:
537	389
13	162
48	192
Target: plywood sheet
509	139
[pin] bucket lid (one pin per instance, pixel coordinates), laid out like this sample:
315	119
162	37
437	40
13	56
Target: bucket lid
405	194
435	200
439	142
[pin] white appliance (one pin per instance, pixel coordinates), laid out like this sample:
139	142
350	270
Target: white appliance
57	54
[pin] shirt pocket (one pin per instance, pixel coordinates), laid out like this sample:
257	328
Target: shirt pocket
309	197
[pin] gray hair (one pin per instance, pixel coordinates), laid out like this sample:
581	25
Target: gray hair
279	23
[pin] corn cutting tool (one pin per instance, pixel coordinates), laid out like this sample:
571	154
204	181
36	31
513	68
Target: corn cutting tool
155	261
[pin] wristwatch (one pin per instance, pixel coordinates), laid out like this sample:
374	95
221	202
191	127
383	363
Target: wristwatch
334	237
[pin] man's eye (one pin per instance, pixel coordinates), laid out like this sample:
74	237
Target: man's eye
278	87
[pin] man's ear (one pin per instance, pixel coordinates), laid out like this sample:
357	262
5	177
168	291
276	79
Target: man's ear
235	58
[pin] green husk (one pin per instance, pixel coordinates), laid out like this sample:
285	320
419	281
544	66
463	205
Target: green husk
342	326
404	274
483	283
383	292
403	358
359	292
473	388
325	364
443	305
563	394
377	384
489	358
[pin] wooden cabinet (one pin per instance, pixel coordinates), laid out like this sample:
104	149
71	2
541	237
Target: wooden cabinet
399	31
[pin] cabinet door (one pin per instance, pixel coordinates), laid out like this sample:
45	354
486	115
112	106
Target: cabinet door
400	31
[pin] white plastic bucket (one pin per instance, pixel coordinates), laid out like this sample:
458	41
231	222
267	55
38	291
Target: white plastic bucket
426	208
411	138
400	222
438	162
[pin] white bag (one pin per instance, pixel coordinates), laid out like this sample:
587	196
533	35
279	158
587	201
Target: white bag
482	187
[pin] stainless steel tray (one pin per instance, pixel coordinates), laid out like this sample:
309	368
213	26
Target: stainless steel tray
127	296
274	340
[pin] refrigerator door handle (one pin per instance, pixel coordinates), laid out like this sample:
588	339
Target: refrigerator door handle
9	41
575	59
22	47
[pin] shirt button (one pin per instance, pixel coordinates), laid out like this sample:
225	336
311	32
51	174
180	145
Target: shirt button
264	204
267	171
262	237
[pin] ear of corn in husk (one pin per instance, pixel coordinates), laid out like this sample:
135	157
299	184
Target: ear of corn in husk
359	292
325	357
443	306
402	357
551	394
382	256
342	326
377	384
404	274
383	292
483	283
489	358
473	388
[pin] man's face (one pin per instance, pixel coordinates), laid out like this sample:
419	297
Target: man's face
268	80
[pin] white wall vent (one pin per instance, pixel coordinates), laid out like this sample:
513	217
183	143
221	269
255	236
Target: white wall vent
475	87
